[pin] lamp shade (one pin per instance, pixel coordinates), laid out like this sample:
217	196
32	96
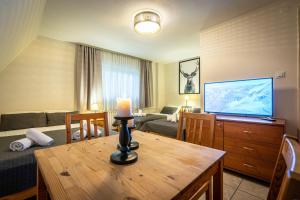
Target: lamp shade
94	107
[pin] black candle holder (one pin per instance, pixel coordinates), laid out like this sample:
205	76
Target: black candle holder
124	155
133	145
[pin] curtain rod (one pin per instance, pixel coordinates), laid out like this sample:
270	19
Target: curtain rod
107	50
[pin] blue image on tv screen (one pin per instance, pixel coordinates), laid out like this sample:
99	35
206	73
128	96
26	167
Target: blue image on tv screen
244	97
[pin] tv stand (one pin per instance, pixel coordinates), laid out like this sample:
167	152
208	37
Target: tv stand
251	144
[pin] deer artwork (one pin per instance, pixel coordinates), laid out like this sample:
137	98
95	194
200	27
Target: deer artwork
190	85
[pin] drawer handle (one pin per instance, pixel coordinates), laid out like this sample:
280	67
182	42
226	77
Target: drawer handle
247	132
248	148
247	165
219	124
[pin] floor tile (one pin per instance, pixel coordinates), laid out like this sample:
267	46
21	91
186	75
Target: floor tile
240	195
255	188
231	179
202	197
238	187
227	192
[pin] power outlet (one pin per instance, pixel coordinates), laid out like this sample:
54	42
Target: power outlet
279	75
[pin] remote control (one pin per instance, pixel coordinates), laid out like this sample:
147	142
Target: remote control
269	119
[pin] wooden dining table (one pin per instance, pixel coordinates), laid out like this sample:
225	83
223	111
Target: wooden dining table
166	169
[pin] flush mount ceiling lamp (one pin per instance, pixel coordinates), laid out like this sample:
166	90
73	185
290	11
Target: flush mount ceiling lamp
147	22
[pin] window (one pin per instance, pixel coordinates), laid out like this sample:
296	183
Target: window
120	78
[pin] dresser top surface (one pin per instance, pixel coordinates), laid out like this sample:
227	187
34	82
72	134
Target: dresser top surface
256	120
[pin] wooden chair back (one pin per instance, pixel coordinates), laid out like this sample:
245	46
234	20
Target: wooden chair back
199	128
88	117
285	182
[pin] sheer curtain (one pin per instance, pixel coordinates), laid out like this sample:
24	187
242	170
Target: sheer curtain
104	76
120	79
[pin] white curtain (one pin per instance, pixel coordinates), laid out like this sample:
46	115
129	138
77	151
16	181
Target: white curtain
120	79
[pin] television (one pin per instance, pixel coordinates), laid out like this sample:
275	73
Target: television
252	97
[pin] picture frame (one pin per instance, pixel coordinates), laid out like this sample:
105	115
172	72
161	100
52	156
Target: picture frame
189	76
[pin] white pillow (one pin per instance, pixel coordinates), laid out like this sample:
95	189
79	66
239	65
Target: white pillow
169	117
91	129
172	118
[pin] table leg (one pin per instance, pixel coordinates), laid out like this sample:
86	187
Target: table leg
218	182
42	193
208	193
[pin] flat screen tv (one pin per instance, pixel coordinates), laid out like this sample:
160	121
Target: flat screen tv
252	97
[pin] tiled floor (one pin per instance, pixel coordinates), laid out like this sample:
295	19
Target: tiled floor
237	187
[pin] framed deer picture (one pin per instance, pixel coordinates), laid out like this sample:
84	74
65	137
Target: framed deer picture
189	76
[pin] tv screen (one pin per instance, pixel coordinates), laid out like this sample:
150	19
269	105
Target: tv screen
242	97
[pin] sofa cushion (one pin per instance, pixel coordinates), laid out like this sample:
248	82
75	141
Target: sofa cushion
22	121
196	110
58	118
75	121
168	110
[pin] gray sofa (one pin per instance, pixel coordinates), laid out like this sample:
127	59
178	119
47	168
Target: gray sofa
31	120
18	169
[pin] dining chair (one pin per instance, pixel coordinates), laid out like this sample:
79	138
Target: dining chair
88	117
285	182
199	129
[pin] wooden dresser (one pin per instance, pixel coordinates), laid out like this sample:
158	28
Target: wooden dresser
251	144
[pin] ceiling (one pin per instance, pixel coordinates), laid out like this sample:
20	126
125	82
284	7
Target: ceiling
108	24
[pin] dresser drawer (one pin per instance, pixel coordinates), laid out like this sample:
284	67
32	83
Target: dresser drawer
254	133
249	166
264	153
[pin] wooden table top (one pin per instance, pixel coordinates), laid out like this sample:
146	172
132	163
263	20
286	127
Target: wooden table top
165	167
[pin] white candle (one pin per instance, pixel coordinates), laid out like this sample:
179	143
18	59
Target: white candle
124	108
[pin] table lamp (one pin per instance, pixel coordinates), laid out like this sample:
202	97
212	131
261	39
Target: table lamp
94	107
186	97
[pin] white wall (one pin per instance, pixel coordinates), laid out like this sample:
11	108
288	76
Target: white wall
40	78
161	86
158	88
172	88
19	25
256	44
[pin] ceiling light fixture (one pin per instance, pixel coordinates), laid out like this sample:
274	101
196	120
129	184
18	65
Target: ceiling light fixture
146	22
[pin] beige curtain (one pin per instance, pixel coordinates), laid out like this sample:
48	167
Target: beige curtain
146	84
88	77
